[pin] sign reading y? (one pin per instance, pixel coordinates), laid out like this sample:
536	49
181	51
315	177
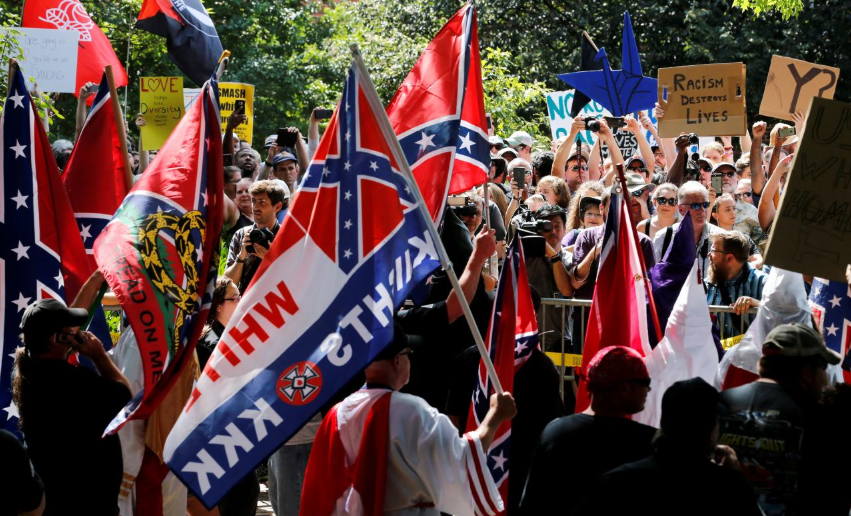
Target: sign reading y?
792	83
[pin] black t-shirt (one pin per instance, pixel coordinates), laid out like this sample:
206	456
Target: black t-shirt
670	484
538	402
596	443
64	410
20	487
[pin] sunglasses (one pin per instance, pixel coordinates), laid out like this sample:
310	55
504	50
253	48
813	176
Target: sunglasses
638	192
706	168
640	170
697	205
745	194
408	352
727	174
671	201
577	168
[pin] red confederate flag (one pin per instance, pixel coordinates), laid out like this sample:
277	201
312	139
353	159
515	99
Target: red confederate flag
618	314
439	114
95	50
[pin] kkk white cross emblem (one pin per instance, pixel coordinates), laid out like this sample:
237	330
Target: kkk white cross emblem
300	383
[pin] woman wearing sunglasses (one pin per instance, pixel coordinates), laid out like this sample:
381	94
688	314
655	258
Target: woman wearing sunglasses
665	200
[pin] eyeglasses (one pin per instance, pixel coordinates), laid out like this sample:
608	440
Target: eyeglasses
577	168
408	352
719	251
641	170
671	201
235	298
697	205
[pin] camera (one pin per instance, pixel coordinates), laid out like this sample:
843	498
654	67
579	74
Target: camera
462	205
530	231
693	139
593	125
537	226
261	236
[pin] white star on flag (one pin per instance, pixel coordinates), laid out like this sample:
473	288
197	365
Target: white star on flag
373	165
22	302
60	279
347	253
467	143
835	301
348	195
20	200
16	99
427	140
347	166
85	232
519	348
325	171
348	135
832	329
19	149
204	195
347	224
500	460
12	411
21	250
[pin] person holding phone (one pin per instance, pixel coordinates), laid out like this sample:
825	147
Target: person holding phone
64	410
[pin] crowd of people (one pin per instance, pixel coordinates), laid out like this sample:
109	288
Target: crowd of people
556	201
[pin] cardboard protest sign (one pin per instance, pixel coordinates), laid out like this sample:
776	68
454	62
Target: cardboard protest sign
49	58
811	233
708	100
792	83
161	103
229	94
190	95
559	105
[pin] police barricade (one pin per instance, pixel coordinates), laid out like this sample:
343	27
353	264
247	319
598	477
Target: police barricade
568	355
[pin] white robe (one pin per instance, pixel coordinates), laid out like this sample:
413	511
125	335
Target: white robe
427	460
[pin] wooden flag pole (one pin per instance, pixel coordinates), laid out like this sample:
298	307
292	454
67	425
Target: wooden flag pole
396	149
119	125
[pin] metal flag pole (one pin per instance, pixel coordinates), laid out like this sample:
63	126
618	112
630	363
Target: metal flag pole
396	149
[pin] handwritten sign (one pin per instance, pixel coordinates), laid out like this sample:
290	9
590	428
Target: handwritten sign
229	94
161	103
559	104
708	100
190	95
812	231
792	83
49	58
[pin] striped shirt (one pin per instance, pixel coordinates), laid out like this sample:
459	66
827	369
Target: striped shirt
749	282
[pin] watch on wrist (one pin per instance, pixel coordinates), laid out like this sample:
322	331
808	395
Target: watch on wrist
267	163
557	258
241	260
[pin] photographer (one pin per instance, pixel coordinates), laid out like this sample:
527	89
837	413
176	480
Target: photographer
546	265
251	243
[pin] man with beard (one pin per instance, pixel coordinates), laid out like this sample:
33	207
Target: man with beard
732	280
247	160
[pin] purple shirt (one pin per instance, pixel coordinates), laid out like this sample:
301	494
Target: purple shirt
585	243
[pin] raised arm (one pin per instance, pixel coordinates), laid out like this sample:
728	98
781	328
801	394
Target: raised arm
560	159
757	174
483	248
677	169
767	209
644	149
86	91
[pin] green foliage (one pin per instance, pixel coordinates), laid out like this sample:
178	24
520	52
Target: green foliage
787	8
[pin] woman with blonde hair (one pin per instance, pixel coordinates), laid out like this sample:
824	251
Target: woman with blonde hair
665	200
555	191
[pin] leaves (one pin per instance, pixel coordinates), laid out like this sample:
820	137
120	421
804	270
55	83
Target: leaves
787	8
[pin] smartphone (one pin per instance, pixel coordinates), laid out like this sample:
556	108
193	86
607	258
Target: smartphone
285	138
785	132
323	114
227	160
69	339
717	182
519	174
615	122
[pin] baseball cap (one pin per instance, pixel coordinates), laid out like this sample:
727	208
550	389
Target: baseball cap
507	150
574	152
723	164
636	158
690	407
401	341
48	316
283	156
520	138
614	365
270	140
495	140
798	340
703	160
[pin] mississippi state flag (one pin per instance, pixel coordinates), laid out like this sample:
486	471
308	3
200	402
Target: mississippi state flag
439	114
159	253
41	254
512	334
191	37
618	316
320	308
95	50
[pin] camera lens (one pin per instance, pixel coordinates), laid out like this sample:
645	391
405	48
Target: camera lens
693	139
593	126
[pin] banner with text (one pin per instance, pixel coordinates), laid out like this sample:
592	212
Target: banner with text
231	93
792	83
708	100
812	231
161	103
49	58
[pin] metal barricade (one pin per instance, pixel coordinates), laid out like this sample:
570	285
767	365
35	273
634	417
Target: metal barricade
565	360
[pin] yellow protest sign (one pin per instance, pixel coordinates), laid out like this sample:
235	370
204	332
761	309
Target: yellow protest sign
161	103
792	83
811	233
708	100
230	95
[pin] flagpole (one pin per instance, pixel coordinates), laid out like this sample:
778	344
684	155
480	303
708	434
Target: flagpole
127	71
396	149
647	288
119	125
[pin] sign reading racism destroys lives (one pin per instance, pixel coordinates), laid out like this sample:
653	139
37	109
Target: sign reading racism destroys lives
811	233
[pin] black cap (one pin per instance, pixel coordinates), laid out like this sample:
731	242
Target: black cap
690	407
401	342
48	316
550	210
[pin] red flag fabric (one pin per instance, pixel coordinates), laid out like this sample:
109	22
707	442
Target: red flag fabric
159	253
438	113
95	50
512	335
618	315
